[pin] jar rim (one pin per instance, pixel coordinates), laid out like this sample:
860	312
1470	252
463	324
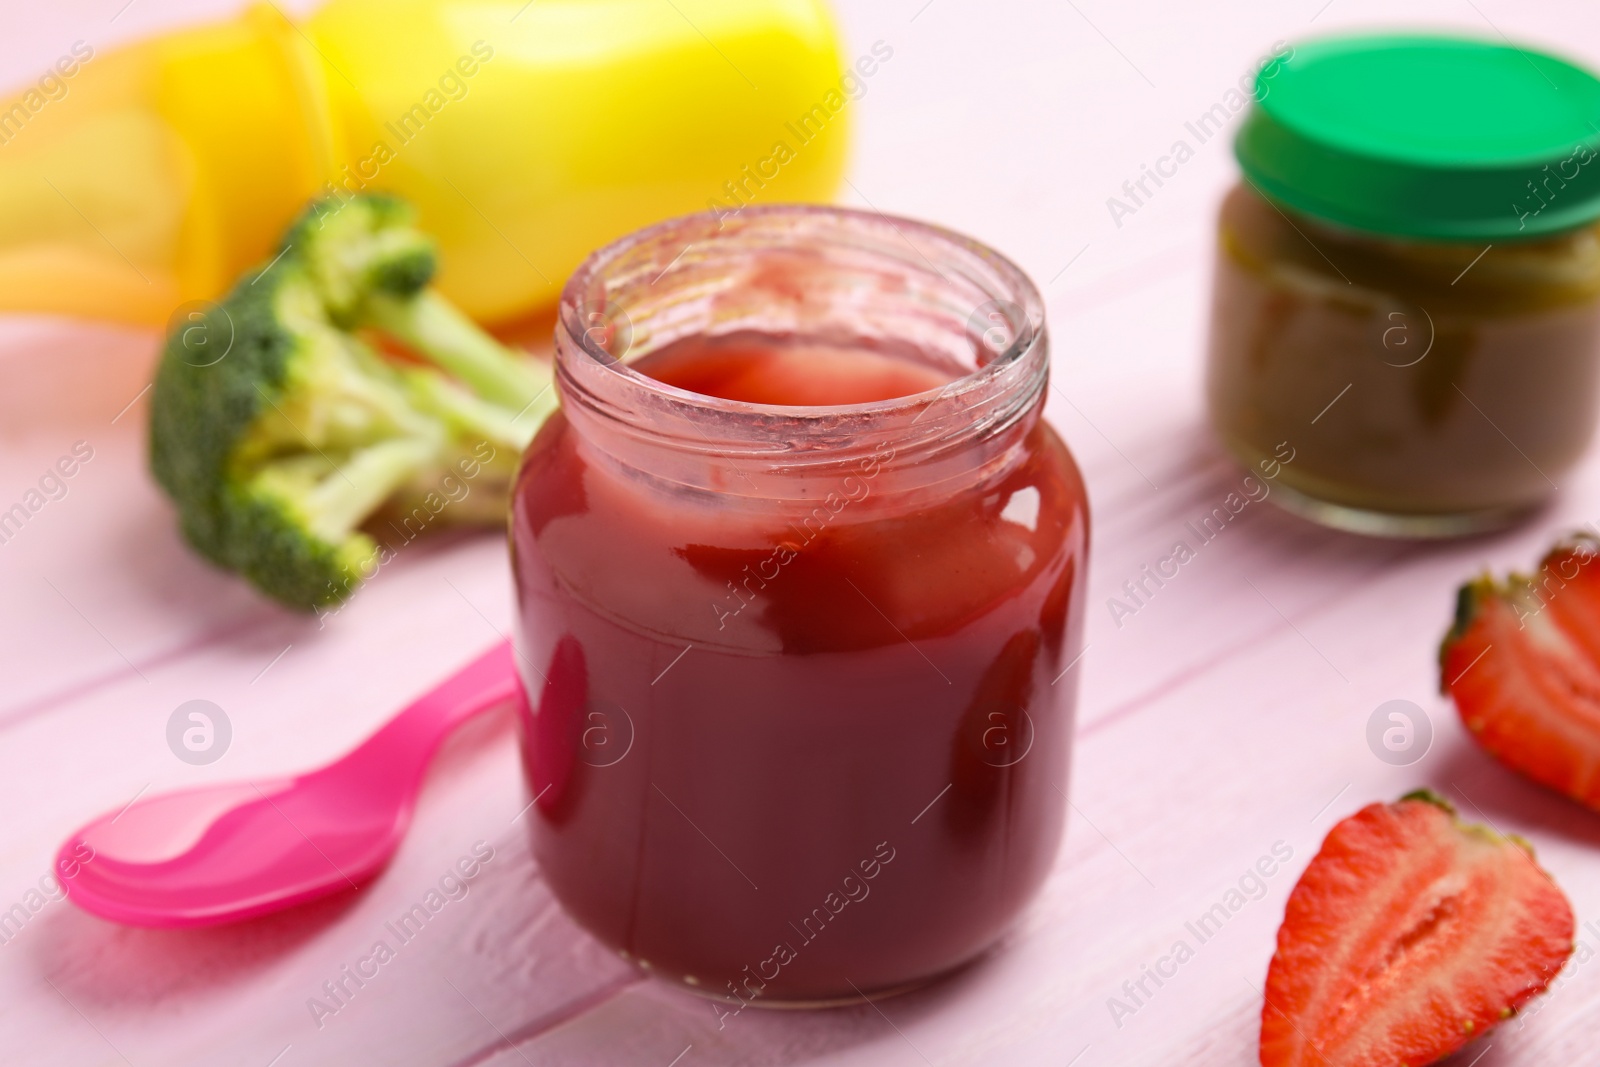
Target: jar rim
1012	291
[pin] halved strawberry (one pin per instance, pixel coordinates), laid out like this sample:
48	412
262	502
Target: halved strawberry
1522	663
1409	935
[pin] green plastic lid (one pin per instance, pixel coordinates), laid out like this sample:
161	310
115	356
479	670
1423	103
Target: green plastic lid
1422	136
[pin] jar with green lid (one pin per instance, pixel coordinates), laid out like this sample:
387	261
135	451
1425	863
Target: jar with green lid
1408	282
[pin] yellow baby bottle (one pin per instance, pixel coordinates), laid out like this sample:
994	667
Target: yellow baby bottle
526	133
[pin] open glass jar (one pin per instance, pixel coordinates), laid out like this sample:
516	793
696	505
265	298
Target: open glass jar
797	718
1408	282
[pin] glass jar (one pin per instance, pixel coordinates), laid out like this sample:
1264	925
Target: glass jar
1407	288
799	710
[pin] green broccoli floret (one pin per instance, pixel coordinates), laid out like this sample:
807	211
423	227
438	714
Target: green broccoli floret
279	449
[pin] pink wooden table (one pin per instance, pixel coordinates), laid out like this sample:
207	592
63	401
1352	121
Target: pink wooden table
1222	722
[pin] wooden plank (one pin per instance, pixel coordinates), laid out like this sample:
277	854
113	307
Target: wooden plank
111	590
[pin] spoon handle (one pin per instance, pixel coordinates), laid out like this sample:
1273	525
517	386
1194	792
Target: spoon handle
416	731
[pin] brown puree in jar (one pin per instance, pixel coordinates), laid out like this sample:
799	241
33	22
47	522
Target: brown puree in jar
1413	377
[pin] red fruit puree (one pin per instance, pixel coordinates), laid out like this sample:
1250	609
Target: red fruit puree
792	755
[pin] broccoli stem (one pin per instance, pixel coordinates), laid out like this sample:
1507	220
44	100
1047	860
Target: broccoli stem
447	338
342	501
466	413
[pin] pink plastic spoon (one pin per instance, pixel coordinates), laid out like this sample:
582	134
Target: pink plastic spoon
226	852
